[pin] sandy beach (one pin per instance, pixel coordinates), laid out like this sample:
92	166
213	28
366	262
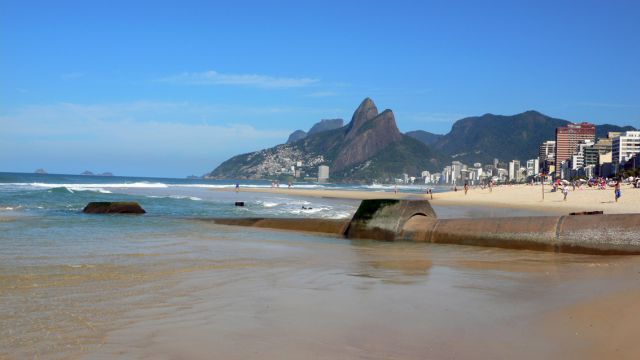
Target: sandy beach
507	196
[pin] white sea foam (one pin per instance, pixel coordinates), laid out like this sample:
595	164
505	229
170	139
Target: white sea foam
194	198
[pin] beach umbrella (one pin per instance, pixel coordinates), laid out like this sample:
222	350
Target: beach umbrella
565	182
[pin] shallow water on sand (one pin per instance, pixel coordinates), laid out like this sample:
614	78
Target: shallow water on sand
163	286
199	291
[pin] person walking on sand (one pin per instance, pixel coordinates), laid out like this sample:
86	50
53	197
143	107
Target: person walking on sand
617	190
466	188
565	191
395	189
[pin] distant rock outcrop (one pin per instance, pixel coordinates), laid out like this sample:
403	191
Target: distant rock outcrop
41	171
326	125
367	133
296	135
86	172
106	174
323	125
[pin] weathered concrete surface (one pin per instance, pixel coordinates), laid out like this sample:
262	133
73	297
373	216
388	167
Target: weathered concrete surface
328	226
384	219
591	234
117	207
619	233
415	220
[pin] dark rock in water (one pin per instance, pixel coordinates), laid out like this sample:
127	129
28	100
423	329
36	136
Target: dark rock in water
239	203
119	207
296	136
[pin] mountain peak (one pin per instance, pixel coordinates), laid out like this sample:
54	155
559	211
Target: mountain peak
365	112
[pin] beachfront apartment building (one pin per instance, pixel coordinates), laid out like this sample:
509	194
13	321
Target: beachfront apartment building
533	167
567	139
514	170
547	155
624	146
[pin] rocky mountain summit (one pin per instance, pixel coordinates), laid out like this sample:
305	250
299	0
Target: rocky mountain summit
369	147
323	125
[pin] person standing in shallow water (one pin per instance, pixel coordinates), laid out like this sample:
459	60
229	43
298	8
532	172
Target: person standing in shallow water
616	190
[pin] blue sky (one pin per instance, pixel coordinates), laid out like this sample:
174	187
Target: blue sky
171	88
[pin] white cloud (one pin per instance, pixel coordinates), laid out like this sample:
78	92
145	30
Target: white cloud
215	78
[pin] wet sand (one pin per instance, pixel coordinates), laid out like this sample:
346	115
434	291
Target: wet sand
236	293
508	196
371	300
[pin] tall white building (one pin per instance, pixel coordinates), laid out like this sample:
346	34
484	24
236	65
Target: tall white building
624	146
323	173
514	170
533	167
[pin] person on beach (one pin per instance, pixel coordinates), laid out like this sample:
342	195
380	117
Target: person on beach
395	189
565	191
466	188
617	190
237	187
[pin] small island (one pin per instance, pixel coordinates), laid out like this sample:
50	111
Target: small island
40	171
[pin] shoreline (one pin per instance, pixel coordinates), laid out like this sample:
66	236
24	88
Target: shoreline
524	197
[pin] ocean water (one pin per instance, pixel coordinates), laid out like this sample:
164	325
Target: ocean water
166	285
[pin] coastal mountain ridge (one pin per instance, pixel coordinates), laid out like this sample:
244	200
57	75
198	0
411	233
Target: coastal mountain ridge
505	137
370	147
424	136
353	152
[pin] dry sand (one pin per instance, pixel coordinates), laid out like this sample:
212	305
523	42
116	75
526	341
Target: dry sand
516	196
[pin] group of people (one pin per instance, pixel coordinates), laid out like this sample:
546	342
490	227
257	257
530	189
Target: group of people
601	185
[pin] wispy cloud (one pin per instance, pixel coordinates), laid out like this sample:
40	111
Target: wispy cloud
215	78
71	76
